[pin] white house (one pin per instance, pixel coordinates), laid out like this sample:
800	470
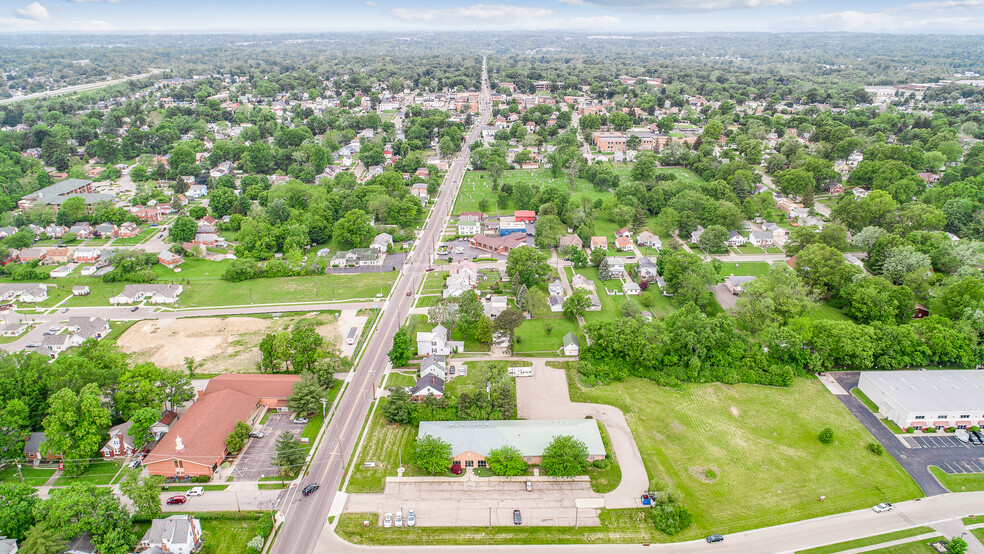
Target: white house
581	282
494	306
381	242
153	293
616	267
630	288
469	228
646	238
434	365
737	284
761	238
735	239
556	287
435	342
571	346
556	303
178	534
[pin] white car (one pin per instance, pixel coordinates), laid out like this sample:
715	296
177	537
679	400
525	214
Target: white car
883	507
399	519
411	519
196	491
388	520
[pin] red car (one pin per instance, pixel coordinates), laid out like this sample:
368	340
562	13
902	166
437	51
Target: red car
179	499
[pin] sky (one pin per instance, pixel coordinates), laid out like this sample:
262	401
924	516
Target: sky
619	17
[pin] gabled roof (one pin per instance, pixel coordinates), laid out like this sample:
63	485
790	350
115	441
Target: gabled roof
428	381
530	437
570	339
256	384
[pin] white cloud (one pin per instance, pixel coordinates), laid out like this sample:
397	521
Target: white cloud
31	25
594	22
481	14
33	11
684	6
370	3
572	2
876	22
94	1
946	5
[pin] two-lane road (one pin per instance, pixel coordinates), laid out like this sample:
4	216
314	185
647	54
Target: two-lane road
306	516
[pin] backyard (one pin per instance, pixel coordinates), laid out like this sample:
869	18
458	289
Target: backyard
744	456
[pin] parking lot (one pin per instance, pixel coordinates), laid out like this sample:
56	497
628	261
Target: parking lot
475	501
256	461
940	441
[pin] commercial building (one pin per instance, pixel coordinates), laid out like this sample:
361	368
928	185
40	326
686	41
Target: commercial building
921	399
471	441
58	193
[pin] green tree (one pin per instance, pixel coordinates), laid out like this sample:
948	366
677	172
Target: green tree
403	348
15	427
144	493
142	420
74	427
42	539
307	347
576	304
826	436
290	455
670	518
306	395
578	258
507	322
182	230
956	545
432	455
17	502
221	201
527	265
354	230
483	330
565	456
470	310
506	461
816	265
397	407
138	388
72	210
84	507
237	438
175	388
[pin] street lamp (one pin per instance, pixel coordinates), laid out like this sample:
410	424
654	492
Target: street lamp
324	403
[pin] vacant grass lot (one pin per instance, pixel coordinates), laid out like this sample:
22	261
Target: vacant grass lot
753	269
216	292
400	380
533	335
760	443
98	473
914	547
382	446
611	305
960	482
32	476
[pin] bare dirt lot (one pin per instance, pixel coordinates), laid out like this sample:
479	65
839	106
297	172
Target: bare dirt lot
226	345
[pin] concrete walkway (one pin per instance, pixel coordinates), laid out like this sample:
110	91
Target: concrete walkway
545	396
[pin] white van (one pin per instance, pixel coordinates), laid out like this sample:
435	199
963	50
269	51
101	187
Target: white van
353	332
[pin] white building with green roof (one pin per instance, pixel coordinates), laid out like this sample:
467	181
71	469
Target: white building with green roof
471	441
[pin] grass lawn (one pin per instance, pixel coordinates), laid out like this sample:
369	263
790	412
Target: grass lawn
769	468
960	482
753	269
914	547
400	380
228	536
617	526
533	334
428	301
826	311
32	476
972	520
98	473
171	488
605	480
310	288
750	250
979	533
434	282
381	446
774	250
865	400
477	185
868	541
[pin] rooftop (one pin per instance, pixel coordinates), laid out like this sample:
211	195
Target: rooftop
530	437
927	391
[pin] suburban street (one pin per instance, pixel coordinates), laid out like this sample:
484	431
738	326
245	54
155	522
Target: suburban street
306	516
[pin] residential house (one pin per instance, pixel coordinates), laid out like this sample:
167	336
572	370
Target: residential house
7	231
468	227
556	303
128	230
57	256
555	287
616	267
650	240
435	342
169	259
54	231
207	239
568	241
737	284
13	329
177	534
427	386
106	230
434	365
695	236
599	242
31	254
631	288
153	293
735	239
494	306
420	191
761	238
86	255
623	244
81	230
121	443
571	345
623	232
197	191
32	449
88	328
32	293
581	282
648	272
8	546
381	242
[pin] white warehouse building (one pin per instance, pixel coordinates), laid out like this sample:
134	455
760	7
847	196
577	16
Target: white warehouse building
921	399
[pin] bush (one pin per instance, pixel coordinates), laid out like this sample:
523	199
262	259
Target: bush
202	478
670	518
255	545
264	526
951	429
603	463
910	429
929	430
826	436
875	448
975	429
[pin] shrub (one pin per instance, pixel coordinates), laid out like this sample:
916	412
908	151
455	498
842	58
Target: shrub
255	544
602	463
910	429
264	526
975	428
826	436
201	478
951	429
875	448
670	518
929	430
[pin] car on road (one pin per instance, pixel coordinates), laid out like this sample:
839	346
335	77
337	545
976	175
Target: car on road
135	463
517	517
429	269
196	491
388	520
883	507
715	538
32	345
135	308
257	434
529	486
64	310
408	293
398	520
309	489
301	420
411	518
179	499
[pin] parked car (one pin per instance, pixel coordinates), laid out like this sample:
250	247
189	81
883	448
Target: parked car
179	499
429	269
135	308
715	538
135	463
529	486
309	489
978	436
257	434
411	518
301	420
398	521
33	345
883	507
517	518
388	520
196	491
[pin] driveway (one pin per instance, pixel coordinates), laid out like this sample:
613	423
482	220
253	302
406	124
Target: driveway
915	461
257	460
545	396
725	298
471	501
